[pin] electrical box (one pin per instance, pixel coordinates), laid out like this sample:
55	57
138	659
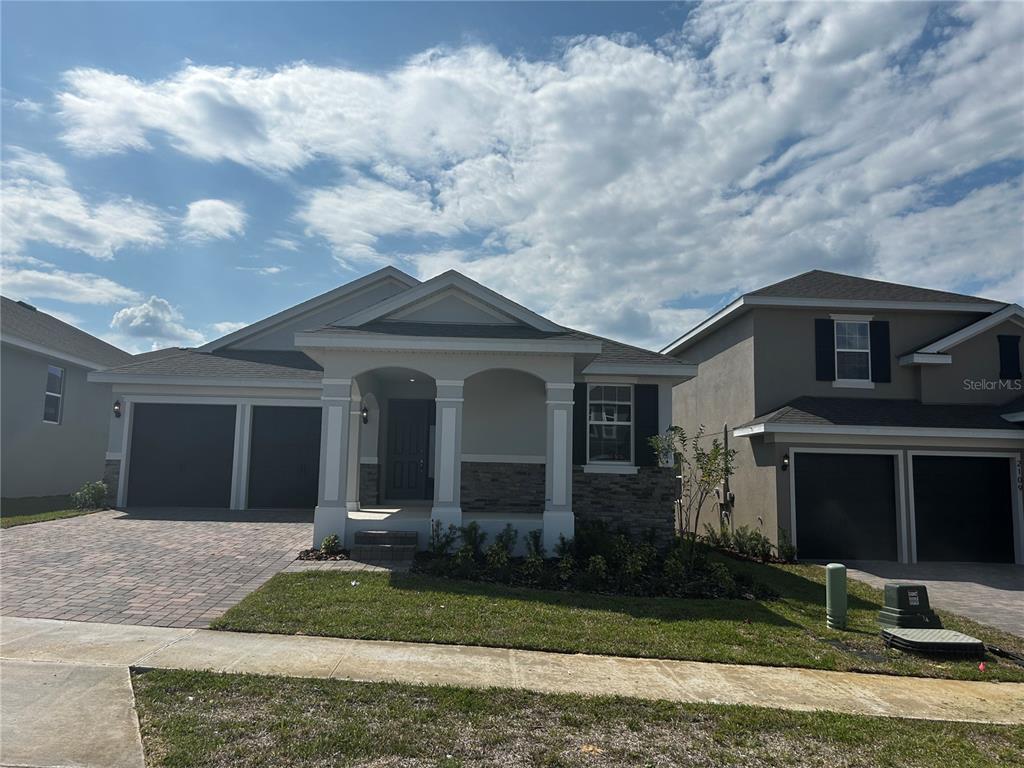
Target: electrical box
906	605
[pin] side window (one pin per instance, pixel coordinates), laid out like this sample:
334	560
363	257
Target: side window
53	399
853	351
610	423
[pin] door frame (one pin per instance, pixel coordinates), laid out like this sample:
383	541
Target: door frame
1016	502
428	475
902	548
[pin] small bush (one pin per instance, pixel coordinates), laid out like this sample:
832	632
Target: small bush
535	543
787	552
719	538
473	538
567	569
441	541
532	572
90	496
595	577
753	544
499	562
331	545
464	564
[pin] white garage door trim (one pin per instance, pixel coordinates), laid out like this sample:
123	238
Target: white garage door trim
901	518
1015	495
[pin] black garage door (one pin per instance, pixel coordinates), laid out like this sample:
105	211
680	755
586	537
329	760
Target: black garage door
284	457
845	506
963	509
181	455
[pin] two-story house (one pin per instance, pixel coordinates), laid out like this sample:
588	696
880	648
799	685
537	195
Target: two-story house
871	420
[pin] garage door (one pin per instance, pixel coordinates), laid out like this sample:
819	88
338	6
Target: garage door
284	463
845	506
181	455
963	509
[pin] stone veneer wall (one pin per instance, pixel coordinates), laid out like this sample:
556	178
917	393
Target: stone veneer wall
639	503
111	476
501	487
369	484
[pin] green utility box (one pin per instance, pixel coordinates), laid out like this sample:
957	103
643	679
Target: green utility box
906	605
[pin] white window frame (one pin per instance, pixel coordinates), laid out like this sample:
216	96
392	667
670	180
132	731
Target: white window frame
59	395
631	424
852	383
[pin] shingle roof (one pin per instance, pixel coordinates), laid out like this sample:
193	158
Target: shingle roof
871	412
29	324
240	364
819	284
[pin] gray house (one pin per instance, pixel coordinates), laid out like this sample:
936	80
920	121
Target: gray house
872	420
389	403
54	422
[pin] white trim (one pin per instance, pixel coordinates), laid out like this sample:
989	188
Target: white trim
59	395
559	385
113	456
31	346
1017	416
609	468
560	437
112	377
867	382
502	318
832	429
449	399
332	459
853	383
446	488
368	460
434	344
449	382
126	448
852	318
310	305
493	458
924	358
681	370
336	381
1011	312
220	400
236	457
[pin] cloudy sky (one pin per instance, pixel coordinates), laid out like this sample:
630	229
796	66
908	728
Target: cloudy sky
173	171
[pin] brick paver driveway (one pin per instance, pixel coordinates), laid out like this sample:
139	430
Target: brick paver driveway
167	568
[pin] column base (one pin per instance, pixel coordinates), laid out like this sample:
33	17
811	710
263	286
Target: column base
328	520
557	523
352	506
446	516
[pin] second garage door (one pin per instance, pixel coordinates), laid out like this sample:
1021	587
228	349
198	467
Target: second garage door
284	463
845	506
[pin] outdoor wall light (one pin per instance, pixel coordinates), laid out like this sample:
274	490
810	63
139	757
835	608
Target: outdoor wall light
785	462
366	415
117	409
412	379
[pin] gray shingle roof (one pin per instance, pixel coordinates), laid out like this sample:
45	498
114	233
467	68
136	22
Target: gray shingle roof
819	284
240	364
871	412
32	325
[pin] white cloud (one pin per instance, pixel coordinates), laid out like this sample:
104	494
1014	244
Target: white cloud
283	243
30	107
39	204
214	220
226	327
274	269
623	187
72	287
157	321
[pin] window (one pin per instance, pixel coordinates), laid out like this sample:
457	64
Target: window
853	351
610	423
53	400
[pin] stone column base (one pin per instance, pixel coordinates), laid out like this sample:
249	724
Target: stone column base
557	523
328	520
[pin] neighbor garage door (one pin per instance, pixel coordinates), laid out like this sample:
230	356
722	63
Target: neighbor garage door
284	463
963	509
181	455
845	506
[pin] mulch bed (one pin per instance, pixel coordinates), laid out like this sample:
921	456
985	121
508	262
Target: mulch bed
315	554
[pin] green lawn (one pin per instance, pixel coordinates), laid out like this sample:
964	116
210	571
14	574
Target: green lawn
8	520
786	632
209	719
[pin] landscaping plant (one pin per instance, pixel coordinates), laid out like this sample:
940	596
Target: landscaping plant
90	496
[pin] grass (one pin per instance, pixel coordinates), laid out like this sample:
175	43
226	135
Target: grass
222	720
9	520
787	632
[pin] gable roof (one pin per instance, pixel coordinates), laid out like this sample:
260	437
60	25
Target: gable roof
22	325
1011	312
311	305
241	367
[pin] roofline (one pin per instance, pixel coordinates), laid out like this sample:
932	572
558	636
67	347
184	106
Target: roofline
922	358
875	431
1012	312
747	301
1015	416
450	279
31	346
679	371
446	344
109	377
310	305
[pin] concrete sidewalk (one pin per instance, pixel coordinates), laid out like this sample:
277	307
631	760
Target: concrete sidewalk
367	660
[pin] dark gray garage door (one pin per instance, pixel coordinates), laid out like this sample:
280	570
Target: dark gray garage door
181	455
845	506
284	457
963	509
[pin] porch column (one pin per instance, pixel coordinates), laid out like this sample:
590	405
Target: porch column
447	507
240	468
558	516
355	424
330	515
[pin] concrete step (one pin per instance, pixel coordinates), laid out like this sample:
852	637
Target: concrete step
378	552
386	537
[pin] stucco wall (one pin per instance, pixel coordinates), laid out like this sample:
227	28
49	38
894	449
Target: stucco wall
40	459
504	414
973	376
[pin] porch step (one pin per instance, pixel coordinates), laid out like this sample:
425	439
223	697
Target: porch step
379	552
377	538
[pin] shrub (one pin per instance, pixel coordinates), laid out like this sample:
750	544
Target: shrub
719	538
535	543
751	543
499	562
441	541
506	540
787	552
331	545
567	569
473	539
464	564
595	577
532	572
696	577
90	496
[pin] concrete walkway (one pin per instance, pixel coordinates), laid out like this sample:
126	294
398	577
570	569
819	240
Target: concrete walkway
38	640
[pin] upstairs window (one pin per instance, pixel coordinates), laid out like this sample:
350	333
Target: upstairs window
610	423
853	350
53	399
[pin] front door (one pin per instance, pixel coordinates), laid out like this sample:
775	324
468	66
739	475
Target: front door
407	452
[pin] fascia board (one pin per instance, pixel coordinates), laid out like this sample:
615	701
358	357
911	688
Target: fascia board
420	344
31	346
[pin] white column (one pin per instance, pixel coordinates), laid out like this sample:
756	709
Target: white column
355	424
558	516
447	507
330	515
240	469
127	411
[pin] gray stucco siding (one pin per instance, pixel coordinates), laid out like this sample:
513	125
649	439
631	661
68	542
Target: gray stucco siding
973	376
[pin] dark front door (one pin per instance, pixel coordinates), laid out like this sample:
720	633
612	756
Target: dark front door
407	453
284	457
963	508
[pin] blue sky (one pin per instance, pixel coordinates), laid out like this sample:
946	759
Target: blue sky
172	171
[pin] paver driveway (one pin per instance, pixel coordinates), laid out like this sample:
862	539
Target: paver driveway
167	568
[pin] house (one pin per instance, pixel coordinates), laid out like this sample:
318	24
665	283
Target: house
871	420
54	433
389	403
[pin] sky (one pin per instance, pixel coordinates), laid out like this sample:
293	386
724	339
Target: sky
174	171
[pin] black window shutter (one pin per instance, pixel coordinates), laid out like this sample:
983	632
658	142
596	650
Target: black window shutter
1009	357
579	424
881	357
824	350
645	423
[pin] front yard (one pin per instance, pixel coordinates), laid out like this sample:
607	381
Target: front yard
207	719
789	631
11	519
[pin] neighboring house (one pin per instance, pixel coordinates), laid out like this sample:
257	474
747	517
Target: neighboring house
54	422
388	403
872	420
